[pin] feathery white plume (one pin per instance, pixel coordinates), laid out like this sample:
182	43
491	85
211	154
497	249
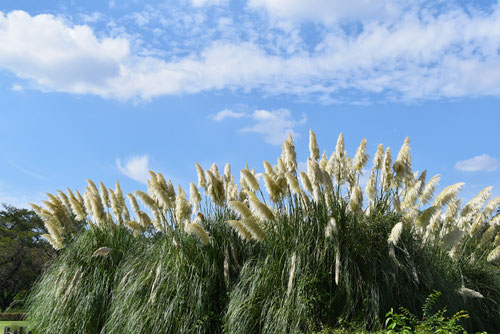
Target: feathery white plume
313	146
449	193
395	234
360	157
429	189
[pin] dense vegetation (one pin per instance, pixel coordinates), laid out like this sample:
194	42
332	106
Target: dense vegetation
23	254
306	258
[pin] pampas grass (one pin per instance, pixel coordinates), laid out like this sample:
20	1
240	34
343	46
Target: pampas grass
293	260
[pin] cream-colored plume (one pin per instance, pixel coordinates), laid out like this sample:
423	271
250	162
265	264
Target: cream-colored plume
272	188
313	146
469	293
242	210
291	274
259	209
378	159
429	189
395	234
386	179
475	204
241	229
356	199
250	179
182	207
306	183
197	230
194	196
360	157
202	181
449	193
331	229
494	256
146	199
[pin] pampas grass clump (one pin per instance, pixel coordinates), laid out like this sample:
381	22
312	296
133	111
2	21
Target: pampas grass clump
74	295
295	260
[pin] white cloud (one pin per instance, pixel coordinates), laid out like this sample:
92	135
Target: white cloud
20	200
274	125
418	55
227	113
201	3
328	11
136	168
17	88
481	162
26	171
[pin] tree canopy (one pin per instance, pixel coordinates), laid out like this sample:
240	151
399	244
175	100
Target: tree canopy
23	252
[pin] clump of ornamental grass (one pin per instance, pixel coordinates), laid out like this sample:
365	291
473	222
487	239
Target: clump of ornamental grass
178	284
74	294
303	256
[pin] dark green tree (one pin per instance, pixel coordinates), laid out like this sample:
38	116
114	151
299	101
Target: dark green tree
23	252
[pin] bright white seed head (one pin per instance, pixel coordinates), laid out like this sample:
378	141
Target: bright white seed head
469	293
198	231
227	172
429	189
240	229
182	207
313	146
254	229
387	170
146	199
411	196
331	229
378	158
272	188
202	181
356	199
250	179
104	195
337	266
371	187
395	234
289	156
306	183
194	196
475	204
260	210
292	183
360	157
291	275
134	205
448	194
242	210
494	256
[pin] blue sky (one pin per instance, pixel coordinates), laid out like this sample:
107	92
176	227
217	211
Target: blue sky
109	89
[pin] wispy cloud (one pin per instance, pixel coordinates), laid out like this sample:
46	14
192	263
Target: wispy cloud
17	88
274	125
481	162
426	54
26	171
227	113
136	168
200	3
19	200
328	11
